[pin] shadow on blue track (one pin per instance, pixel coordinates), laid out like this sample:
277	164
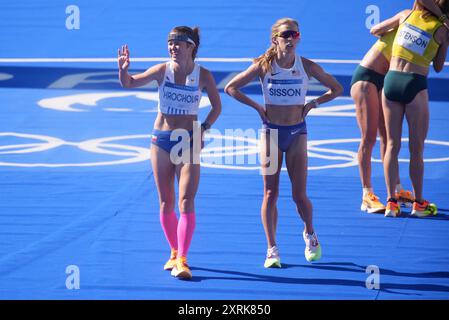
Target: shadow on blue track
385	287
439	216
353	267
246	276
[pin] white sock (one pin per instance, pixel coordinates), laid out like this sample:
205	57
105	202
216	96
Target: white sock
367	190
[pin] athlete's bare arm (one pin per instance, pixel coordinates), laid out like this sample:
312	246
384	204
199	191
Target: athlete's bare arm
239	81
138	80
335	88
392	23
316	71
208	83
442	37
431	6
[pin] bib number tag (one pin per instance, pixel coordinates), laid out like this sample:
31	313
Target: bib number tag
414	39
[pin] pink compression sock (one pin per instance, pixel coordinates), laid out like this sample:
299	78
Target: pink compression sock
169	223
186	226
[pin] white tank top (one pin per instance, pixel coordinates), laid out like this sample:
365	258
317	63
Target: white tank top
285	86
178	99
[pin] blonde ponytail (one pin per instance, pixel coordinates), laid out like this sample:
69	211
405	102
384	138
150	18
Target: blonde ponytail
266	59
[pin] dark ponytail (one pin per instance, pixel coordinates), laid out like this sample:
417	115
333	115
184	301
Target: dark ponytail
444	6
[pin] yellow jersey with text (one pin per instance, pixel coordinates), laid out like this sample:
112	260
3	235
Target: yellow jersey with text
414	41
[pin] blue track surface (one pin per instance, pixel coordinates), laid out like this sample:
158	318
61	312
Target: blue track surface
76	185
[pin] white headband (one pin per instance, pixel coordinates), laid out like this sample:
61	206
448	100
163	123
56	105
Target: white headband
181	37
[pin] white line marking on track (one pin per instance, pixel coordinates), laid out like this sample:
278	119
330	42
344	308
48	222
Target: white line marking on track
159	59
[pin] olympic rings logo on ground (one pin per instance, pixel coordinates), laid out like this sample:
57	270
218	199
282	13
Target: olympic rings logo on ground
228	151
83	102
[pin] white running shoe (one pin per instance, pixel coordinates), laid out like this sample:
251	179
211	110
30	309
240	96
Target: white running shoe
272	260
313	248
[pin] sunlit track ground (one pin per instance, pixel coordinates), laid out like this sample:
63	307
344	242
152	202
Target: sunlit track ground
77	190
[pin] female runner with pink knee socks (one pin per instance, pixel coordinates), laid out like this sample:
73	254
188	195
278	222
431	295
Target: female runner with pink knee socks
176	139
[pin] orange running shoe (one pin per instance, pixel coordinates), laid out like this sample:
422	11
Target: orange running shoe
393	209
405	197
424	209
181	269
172	261
371	204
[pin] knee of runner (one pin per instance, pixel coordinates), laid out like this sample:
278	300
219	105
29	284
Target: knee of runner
416	147
300	198
393	146
368	142
416	153
185	203
167	205
271	194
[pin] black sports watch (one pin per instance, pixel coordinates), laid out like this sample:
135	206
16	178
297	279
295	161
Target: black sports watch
205	126
315	102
